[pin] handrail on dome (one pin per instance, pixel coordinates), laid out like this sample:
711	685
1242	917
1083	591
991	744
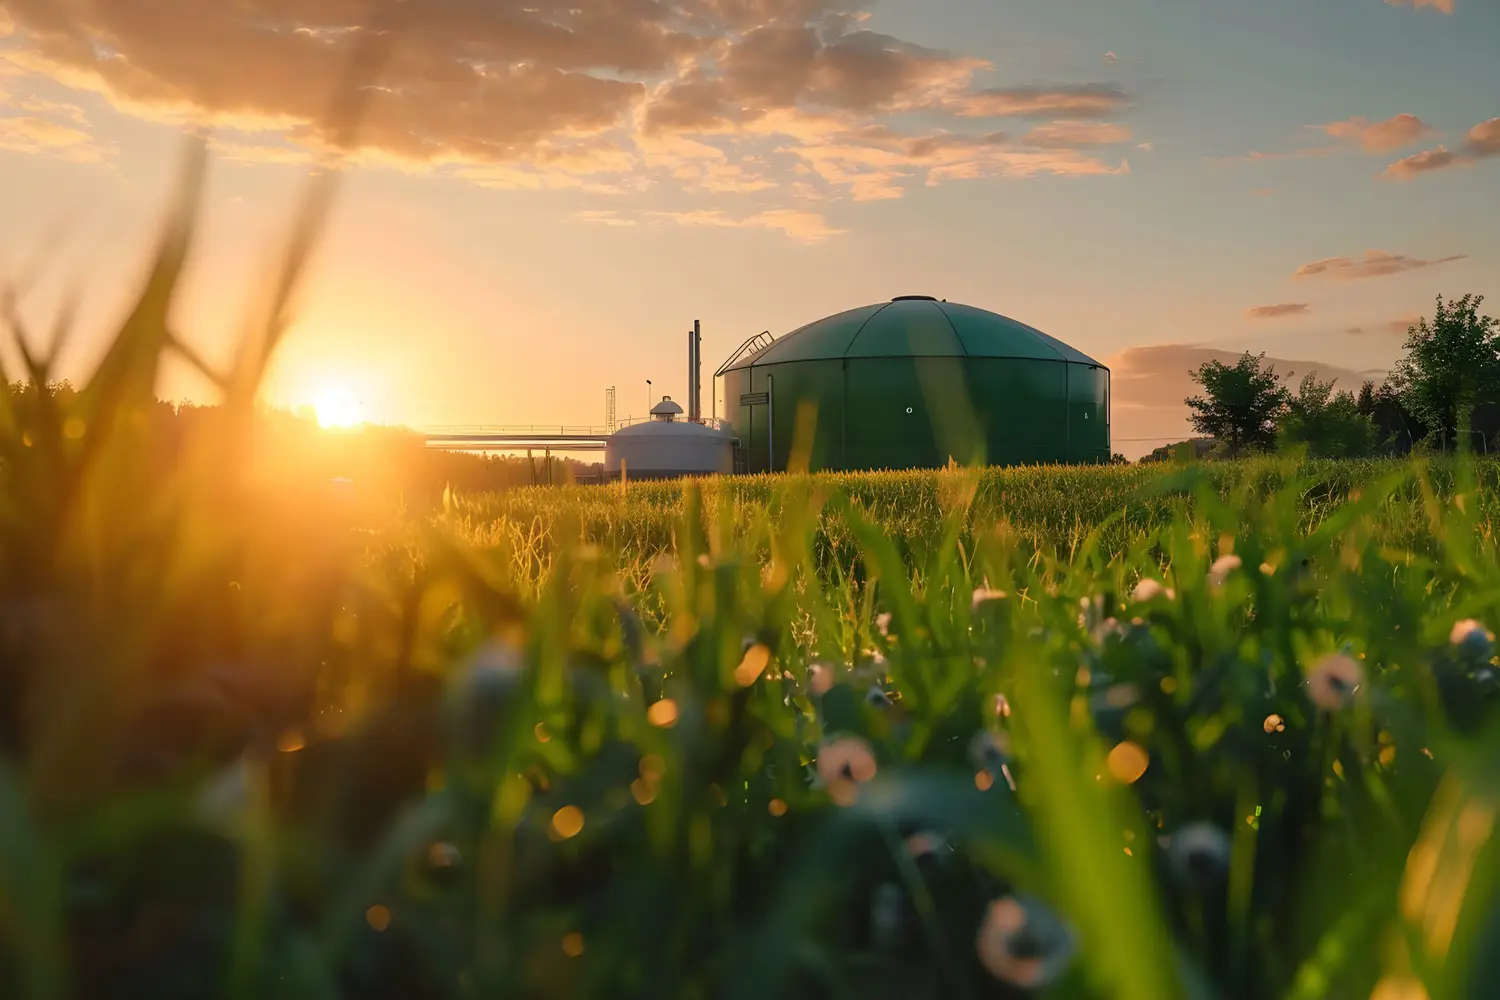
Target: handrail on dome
755	341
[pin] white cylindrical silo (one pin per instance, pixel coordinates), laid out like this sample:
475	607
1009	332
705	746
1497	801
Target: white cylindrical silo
666	448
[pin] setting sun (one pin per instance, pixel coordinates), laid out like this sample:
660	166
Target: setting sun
337	407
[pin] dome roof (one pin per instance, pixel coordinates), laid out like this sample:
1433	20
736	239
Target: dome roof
915	326
668	428
666	406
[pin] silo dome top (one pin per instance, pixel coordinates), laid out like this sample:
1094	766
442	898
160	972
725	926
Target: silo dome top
665	410
915	326
656	428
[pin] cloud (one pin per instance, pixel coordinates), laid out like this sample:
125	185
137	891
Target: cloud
1355	331
1157	377
1426	161
1373	137
1279	311
1071	134
29	134
1480	142
1402	324
1265	192
603	217
51	109
785	66
1379	137
1442	6
804	227
1090	100
1483	139
1374	264
1255	156
242	152
583	94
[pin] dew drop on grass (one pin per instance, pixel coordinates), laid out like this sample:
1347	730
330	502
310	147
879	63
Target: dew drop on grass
378	917
663	714
1127	762
753	664
567	822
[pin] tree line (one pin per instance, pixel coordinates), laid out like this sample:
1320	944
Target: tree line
378	463
1442	396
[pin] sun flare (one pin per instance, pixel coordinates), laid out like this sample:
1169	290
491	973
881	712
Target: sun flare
336	406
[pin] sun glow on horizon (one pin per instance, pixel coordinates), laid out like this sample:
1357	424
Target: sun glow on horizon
337	406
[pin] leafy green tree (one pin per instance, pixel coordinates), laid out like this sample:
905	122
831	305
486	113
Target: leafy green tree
1451	367
1398	428
1328	424
1241	403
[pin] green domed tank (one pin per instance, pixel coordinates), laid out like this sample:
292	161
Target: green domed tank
913	383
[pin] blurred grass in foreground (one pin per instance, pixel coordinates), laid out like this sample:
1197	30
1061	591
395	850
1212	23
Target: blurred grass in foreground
1220	732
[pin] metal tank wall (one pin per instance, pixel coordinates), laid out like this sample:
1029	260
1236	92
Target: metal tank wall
917	412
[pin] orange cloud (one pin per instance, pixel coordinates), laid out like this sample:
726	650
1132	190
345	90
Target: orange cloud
1442	6
1279	311
28	134
1379	137
805	227
1480	142
604	217
1424	162
1483	139
1071	134
1091	100
603	95
1402	324
1374	264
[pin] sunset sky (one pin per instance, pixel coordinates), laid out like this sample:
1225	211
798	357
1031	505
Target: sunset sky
549	192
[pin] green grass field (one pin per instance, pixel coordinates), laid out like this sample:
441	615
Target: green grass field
1224	731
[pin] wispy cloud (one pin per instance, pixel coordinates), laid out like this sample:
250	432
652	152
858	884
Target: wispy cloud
804	227
1279	311
1374	264
1072	134
604	217
29	134
1090	100
1442	6
1401	324
1379	137
1255	156
1480	142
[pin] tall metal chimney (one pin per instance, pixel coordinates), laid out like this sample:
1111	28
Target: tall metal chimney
695	374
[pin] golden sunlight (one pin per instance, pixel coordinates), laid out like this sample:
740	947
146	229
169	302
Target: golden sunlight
336	406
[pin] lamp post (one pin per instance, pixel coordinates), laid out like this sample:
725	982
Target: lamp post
648	395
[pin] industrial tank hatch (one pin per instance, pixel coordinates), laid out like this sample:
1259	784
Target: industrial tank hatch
666	410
